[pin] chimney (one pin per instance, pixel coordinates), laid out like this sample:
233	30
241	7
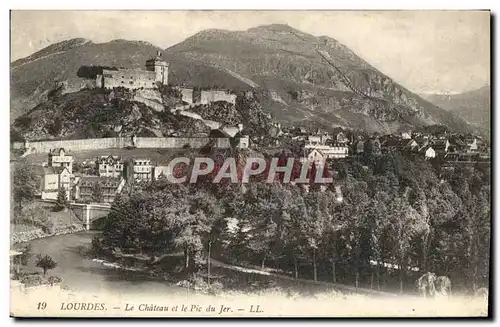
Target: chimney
158	53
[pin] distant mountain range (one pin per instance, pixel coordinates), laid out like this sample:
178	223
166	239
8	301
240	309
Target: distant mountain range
473	106
298	78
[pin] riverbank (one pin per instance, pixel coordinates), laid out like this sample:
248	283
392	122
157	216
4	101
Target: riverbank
19	237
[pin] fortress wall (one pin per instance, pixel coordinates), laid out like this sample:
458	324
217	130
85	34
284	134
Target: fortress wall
121	142
179	142
78	145
150	103
216	95
187	95
190	114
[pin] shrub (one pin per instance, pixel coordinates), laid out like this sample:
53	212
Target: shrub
54	280
49	227
215	287
32	280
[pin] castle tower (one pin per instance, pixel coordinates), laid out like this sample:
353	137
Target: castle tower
160	67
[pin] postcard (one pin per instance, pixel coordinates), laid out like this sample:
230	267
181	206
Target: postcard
250	163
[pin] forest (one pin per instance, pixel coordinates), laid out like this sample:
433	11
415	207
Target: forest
399	217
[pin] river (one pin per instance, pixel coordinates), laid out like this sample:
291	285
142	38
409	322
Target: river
83	274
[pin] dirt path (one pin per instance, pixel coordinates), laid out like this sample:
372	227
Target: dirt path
339	287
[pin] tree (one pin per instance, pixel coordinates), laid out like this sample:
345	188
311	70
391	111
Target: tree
264	211
313	223
45	262
96	192
62	198
25	184
405	224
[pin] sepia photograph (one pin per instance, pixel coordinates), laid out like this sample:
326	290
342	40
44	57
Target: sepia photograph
251	163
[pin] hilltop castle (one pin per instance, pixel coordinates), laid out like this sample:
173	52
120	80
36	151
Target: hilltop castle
156	72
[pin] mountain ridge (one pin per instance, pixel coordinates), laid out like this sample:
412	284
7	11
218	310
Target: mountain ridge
473	106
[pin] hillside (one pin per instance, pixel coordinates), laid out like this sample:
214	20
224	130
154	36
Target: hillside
279	64
97	113
32	78
473	106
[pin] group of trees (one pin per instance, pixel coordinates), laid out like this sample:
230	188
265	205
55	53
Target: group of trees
396	215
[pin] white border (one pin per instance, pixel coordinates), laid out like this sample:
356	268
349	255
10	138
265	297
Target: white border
190	4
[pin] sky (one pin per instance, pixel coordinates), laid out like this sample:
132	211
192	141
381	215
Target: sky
425	51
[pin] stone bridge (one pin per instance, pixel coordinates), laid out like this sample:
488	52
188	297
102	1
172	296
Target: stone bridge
88	213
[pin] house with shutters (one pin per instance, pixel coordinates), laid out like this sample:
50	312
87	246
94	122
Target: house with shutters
139	169
109	166
60	158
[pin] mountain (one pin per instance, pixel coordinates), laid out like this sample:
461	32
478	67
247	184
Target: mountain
473	106
290	79
300	84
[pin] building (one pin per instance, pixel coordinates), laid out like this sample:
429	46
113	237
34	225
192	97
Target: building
472	144
314	140
341	138
160	172
315	156
336	151
406	135
60	158
139	169
52	180
393	144
429	152
440	146
109	166
243	141
98	189
359	147
156	72
411	145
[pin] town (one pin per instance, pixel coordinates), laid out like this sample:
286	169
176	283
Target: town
100	179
